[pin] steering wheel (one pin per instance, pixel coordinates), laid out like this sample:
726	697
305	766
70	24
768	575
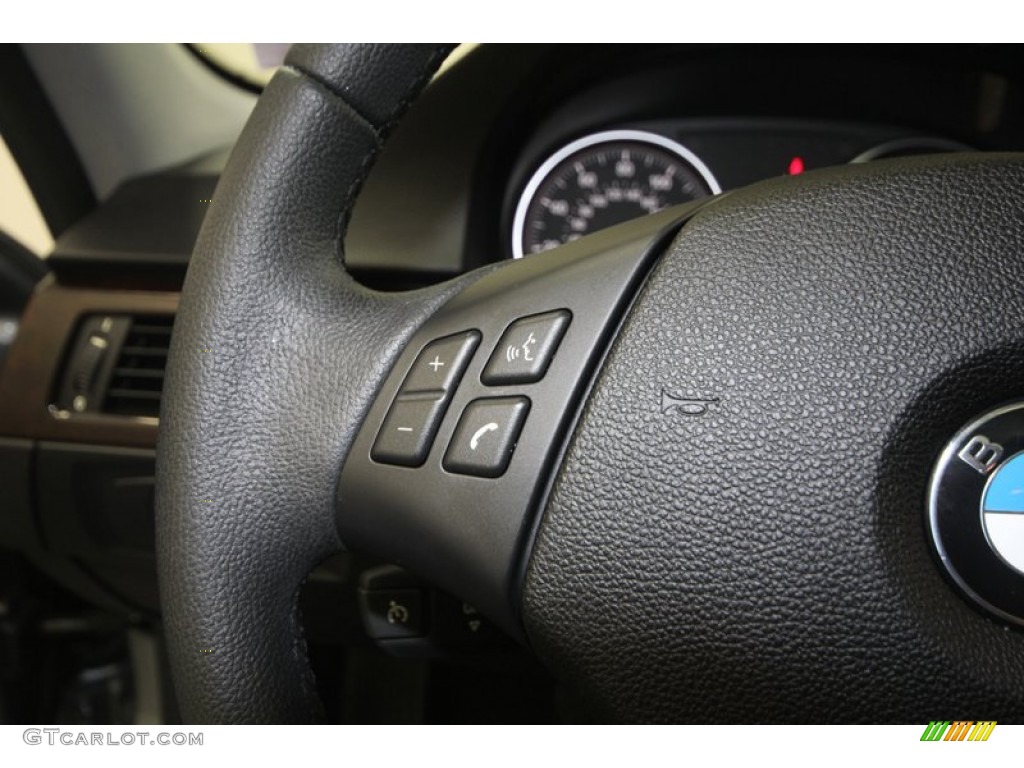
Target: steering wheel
686	460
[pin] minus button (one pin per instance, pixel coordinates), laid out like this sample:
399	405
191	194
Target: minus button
408	430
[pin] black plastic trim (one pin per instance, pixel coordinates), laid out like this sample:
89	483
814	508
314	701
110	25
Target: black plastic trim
223	72
34	134
20	272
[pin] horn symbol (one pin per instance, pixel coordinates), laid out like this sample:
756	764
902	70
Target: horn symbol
691	406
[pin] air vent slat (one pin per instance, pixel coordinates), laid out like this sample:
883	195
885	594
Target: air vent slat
138	375
133	394
154	330
141	373
144	351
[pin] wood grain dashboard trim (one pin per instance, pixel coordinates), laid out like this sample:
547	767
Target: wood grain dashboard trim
28	377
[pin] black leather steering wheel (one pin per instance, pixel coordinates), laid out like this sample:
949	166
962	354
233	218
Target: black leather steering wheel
714	510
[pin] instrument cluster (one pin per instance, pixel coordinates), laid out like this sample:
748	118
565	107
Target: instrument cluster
588	182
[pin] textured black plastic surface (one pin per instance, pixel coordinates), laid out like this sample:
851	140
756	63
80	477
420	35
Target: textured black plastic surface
766	559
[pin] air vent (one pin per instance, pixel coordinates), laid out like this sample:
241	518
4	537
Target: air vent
138	375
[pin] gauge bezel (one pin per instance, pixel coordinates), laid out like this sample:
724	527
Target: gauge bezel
886	148
590	140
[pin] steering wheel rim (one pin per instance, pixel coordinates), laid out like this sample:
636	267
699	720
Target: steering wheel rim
268	265
263	404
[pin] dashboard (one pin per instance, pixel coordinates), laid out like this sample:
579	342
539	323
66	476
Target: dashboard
454	188
604	178
512	151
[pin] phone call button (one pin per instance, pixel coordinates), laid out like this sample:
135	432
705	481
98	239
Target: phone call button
486	436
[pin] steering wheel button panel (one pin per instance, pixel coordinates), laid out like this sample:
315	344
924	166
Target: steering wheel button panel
408	431
525	350
441	364
486	436
464	534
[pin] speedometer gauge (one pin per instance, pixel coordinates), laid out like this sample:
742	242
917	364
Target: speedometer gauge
605	179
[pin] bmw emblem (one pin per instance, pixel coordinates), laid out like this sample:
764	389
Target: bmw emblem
976	511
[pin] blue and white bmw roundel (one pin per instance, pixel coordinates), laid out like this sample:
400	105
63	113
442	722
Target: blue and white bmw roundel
1002	509
976	511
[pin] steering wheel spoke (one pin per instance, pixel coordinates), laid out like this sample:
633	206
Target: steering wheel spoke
455	454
